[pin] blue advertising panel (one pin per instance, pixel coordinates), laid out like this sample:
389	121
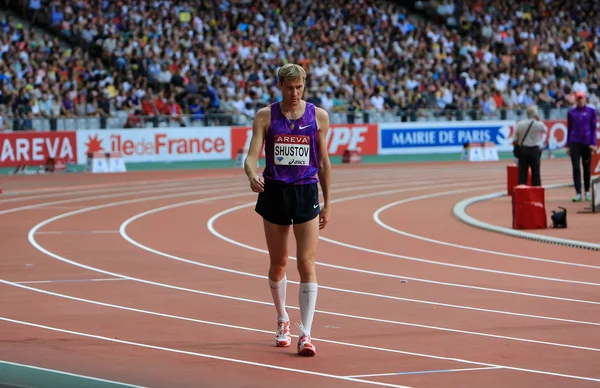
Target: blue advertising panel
405	138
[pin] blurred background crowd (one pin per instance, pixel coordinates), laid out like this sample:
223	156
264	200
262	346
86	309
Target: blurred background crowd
132	63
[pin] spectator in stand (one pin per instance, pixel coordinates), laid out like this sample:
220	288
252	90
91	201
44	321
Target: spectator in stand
530	52
197	110
173	110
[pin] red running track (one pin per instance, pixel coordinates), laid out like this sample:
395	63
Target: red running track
159	280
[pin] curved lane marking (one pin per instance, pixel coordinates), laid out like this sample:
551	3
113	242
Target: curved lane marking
460	211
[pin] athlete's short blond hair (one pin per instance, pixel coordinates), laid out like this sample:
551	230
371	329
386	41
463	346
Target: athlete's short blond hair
291	71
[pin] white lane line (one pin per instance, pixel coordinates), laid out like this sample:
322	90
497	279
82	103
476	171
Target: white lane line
204	355
124	225
32	240
211	228
420	372
377	218
118	383
37	246
445	168
445	264
123	229
105	196
69	281
460	212
64	207
75	192
218	324
202	182
229	186
403	171
126	237
79	232
34	243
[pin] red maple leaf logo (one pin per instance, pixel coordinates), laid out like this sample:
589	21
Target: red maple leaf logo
94	144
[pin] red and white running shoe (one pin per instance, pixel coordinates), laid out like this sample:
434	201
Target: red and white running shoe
282	336
305	346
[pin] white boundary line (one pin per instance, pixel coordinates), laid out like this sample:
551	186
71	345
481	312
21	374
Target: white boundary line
105	196
112	204
123	188
335	313
427	372
125	236
204	355
270	332
139	245
242	245
79	232
376	217
498	253
211	221
410	258
202	185
460	211
382	173
116	186
69	374
68	281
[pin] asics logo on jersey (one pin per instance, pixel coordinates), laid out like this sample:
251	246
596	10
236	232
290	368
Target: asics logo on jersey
296	161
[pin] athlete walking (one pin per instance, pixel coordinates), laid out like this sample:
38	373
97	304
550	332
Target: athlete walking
294	133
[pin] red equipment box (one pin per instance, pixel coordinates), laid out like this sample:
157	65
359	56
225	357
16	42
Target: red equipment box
529	208
512	178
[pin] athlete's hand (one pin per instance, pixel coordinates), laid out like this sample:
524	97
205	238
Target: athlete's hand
594	148
257	184
324	217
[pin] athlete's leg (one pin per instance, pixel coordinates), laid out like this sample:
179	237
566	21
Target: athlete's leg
575	163
276	238
586	161
307	238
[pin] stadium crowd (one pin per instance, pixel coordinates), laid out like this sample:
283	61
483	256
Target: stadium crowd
178	57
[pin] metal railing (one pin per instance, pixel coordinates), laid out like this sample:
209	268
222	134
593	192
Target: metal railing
122	120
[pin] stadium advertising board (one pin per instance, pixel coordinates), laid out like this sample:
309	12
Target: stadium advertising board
35	148
361	137
557	133
157	144
596	164
433	137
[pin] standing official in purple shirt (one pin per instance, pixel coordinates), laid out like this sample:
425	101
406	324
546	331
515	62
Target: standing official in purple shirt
581	142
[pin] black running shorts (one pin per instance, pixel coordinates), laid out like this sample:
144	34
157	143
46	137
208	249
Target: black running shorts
288	204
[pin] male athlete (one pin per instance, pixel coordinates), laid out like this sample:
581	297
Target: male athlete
294	133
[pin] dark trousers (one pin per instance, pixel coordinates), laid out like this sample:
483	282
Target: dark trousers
530	158
581	154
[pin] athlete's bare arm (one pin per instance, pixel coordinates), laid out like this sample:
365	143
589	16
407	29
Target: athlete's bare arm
324	164
259	129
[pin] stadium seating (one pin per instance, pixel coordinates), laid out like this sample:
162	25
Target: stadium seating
367	60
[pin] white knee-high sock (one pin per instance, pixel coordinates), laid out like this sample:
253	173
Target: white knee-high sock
308	301
278	291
